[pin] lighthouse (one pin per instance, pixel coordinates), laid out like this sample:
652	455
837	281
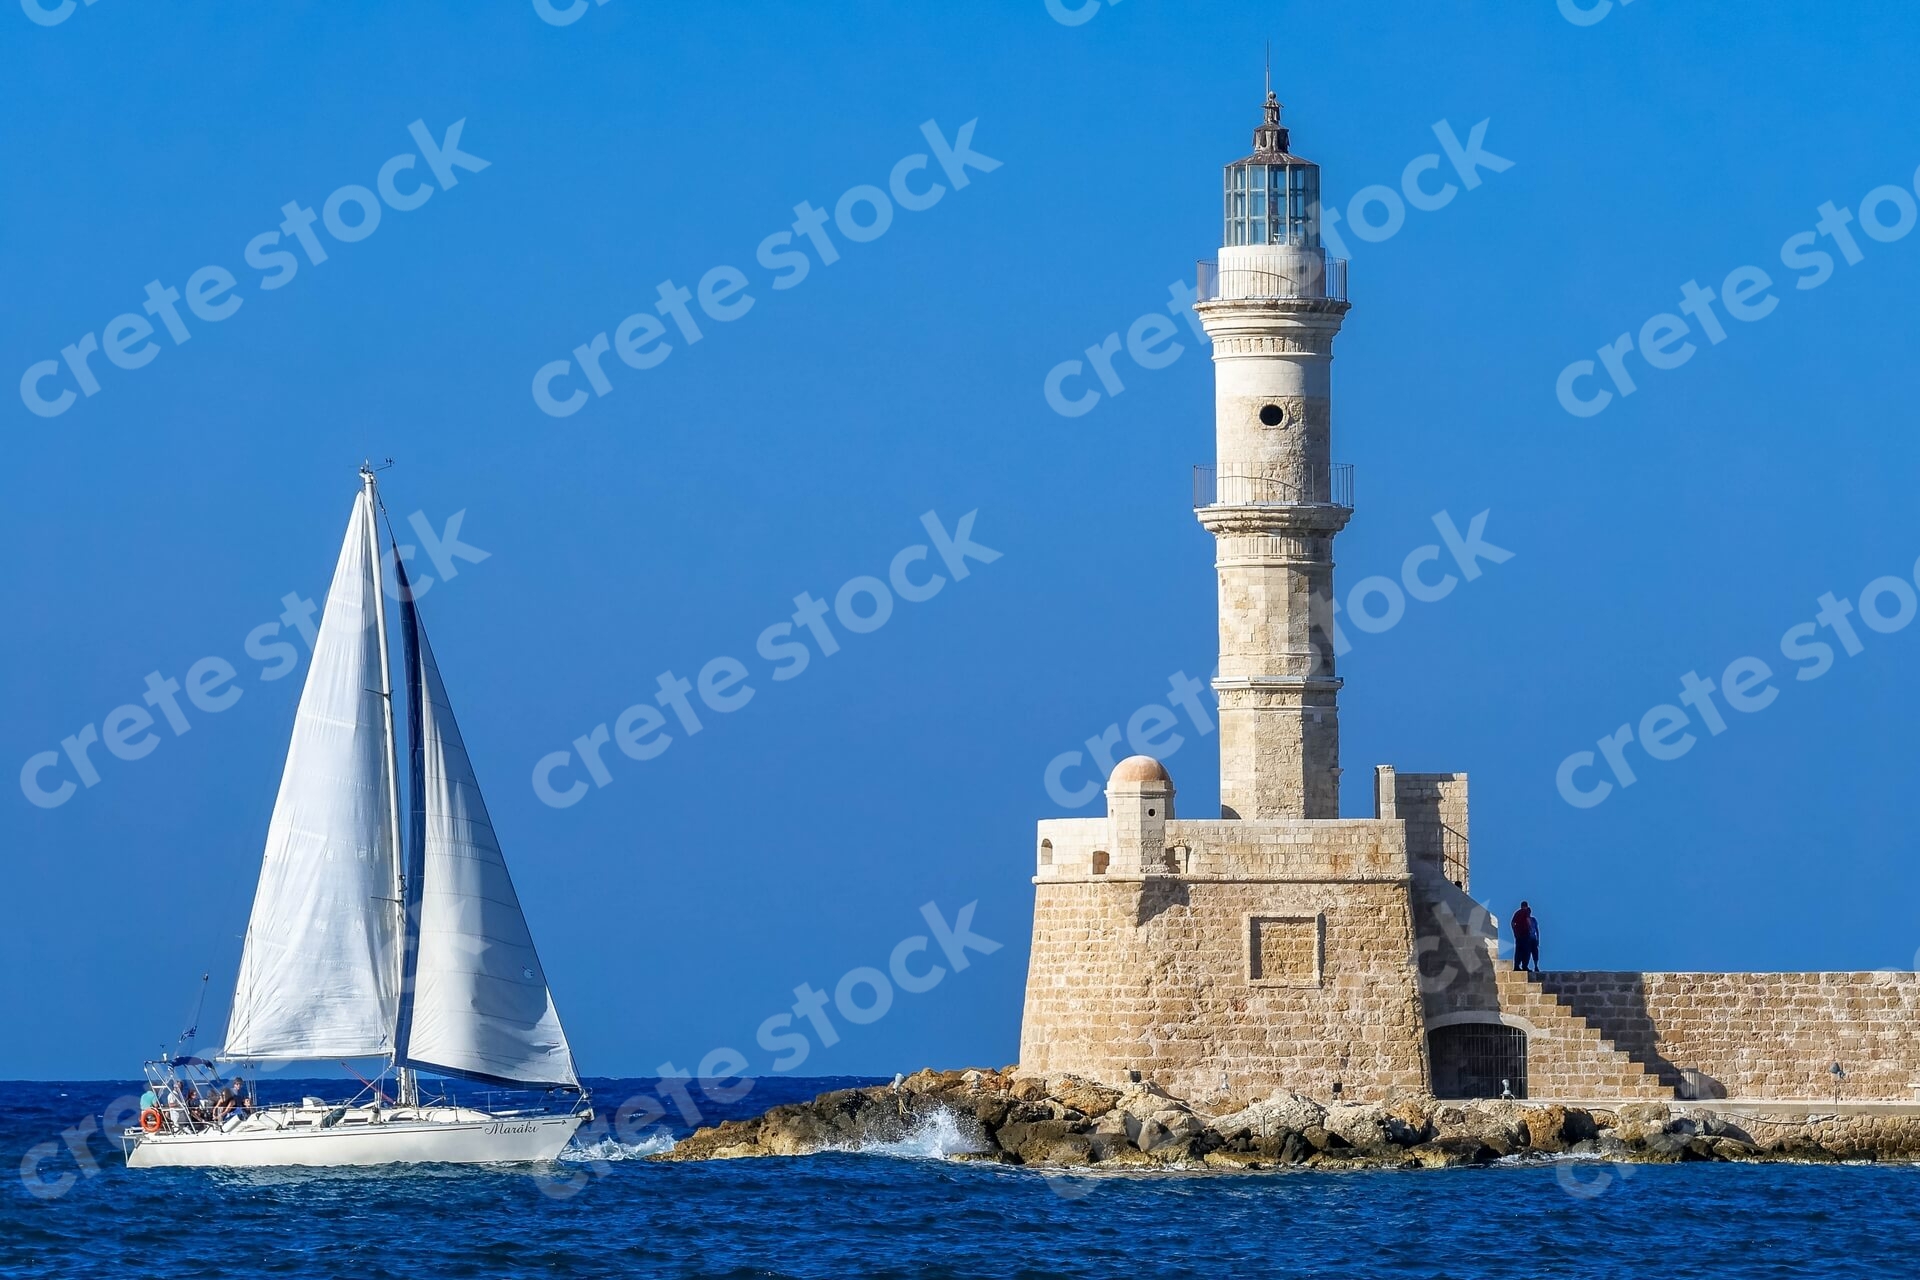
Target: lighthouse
1274	499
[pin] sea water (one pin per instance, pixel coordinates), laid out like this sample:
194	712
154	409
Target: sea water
911	1205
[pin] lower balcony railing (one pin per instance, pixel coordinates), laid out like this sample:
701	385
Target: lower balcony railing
1213	488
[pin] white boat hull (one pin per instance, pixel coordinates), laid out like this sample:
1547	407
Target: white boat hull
466	1138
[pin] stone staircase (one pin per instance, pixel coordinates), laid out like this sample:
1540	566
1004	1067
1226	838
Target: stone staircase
1567	1056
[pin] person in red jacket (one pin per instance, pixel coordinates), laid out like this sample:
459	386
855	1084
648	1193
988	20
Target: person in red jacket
1523	938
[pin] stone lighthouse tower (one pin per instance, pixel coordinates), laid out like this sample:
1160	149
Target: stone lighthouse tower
1282	946
1274	500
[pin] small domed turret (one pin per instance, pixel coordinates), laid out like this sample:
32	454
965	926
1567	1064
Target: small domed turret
1139	802
1140	769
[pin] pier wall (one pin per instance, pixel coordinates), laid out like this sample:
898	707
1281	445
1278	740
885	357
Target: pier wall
1761	1035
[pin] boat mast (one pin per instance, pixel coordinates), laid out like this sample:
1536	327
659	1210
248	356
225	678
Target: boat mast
409	1089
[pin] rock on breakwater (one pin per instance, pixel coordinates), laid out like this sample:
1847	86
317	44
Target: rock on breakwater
1066	1121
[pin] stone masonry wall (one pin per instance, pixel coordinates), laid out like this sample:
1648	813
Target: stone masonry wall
1279	966
1434	807
1760	1035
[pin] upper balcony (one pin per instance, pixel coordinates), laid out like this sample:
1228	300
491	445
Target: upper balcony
1234	489
1317	277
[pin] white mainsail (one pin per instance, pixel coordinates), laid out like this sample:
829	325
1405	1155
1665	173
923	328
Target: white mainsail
477	999
318	976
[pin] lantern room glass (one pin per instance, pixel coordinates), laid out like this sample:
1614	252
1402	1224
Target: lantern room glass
1273	204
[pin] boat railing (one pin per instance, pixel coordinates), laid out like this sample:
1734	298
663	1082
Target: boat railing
184	1087
511	1103
185	1091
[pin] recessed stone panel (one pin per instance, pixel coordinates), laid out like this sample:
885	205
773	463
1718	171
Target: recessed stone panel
1284	951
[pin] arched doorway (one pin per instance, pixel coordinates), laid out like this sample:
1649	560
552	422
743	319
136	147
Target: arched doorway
1471	1059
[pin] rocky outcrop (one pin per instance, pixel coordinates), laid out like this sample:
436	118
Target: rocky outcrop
1066	1122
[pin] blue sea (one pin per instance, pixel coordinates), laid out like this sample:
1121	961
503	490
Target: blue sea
71	1208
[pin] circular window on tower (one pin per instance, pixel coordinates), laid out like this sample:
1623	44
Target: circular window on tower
1273	415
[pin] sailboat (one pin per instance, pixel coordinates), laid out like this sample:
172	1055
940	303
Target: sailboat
363	944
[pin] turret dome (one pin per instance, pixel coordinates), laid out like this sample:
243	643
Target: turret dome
1139	769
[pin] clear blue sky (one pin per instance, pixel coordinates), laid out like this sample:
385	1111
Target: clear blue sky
670	521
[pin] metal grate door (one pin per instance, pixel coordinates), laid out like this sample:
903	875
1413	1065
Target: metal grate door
1470	1060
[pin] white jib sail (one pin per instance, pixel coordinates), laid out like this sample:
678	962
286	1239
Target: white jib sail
480	1003
318	975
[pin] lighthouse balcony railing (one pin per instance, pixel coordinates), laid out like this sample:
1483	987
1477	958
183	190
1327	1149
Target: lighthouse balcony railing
1212	488
1318	278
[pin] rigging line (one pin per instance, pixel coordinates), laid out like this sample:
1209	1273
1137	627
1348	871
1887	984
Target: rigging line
193	1022
363	1080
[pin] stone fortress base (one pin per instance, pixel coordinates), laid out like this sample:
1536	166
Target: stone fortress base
1345	959
1283	947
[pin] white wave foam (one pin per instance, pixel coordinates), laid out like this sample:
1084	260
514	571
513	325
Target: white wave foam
937	1135
613	1149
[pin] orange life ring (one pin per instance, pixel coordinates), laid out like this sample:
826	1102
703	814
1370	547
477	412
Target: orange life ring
150	1120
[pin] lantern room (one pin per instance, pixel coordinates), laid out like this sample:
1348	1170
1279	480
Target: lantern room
1273	198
